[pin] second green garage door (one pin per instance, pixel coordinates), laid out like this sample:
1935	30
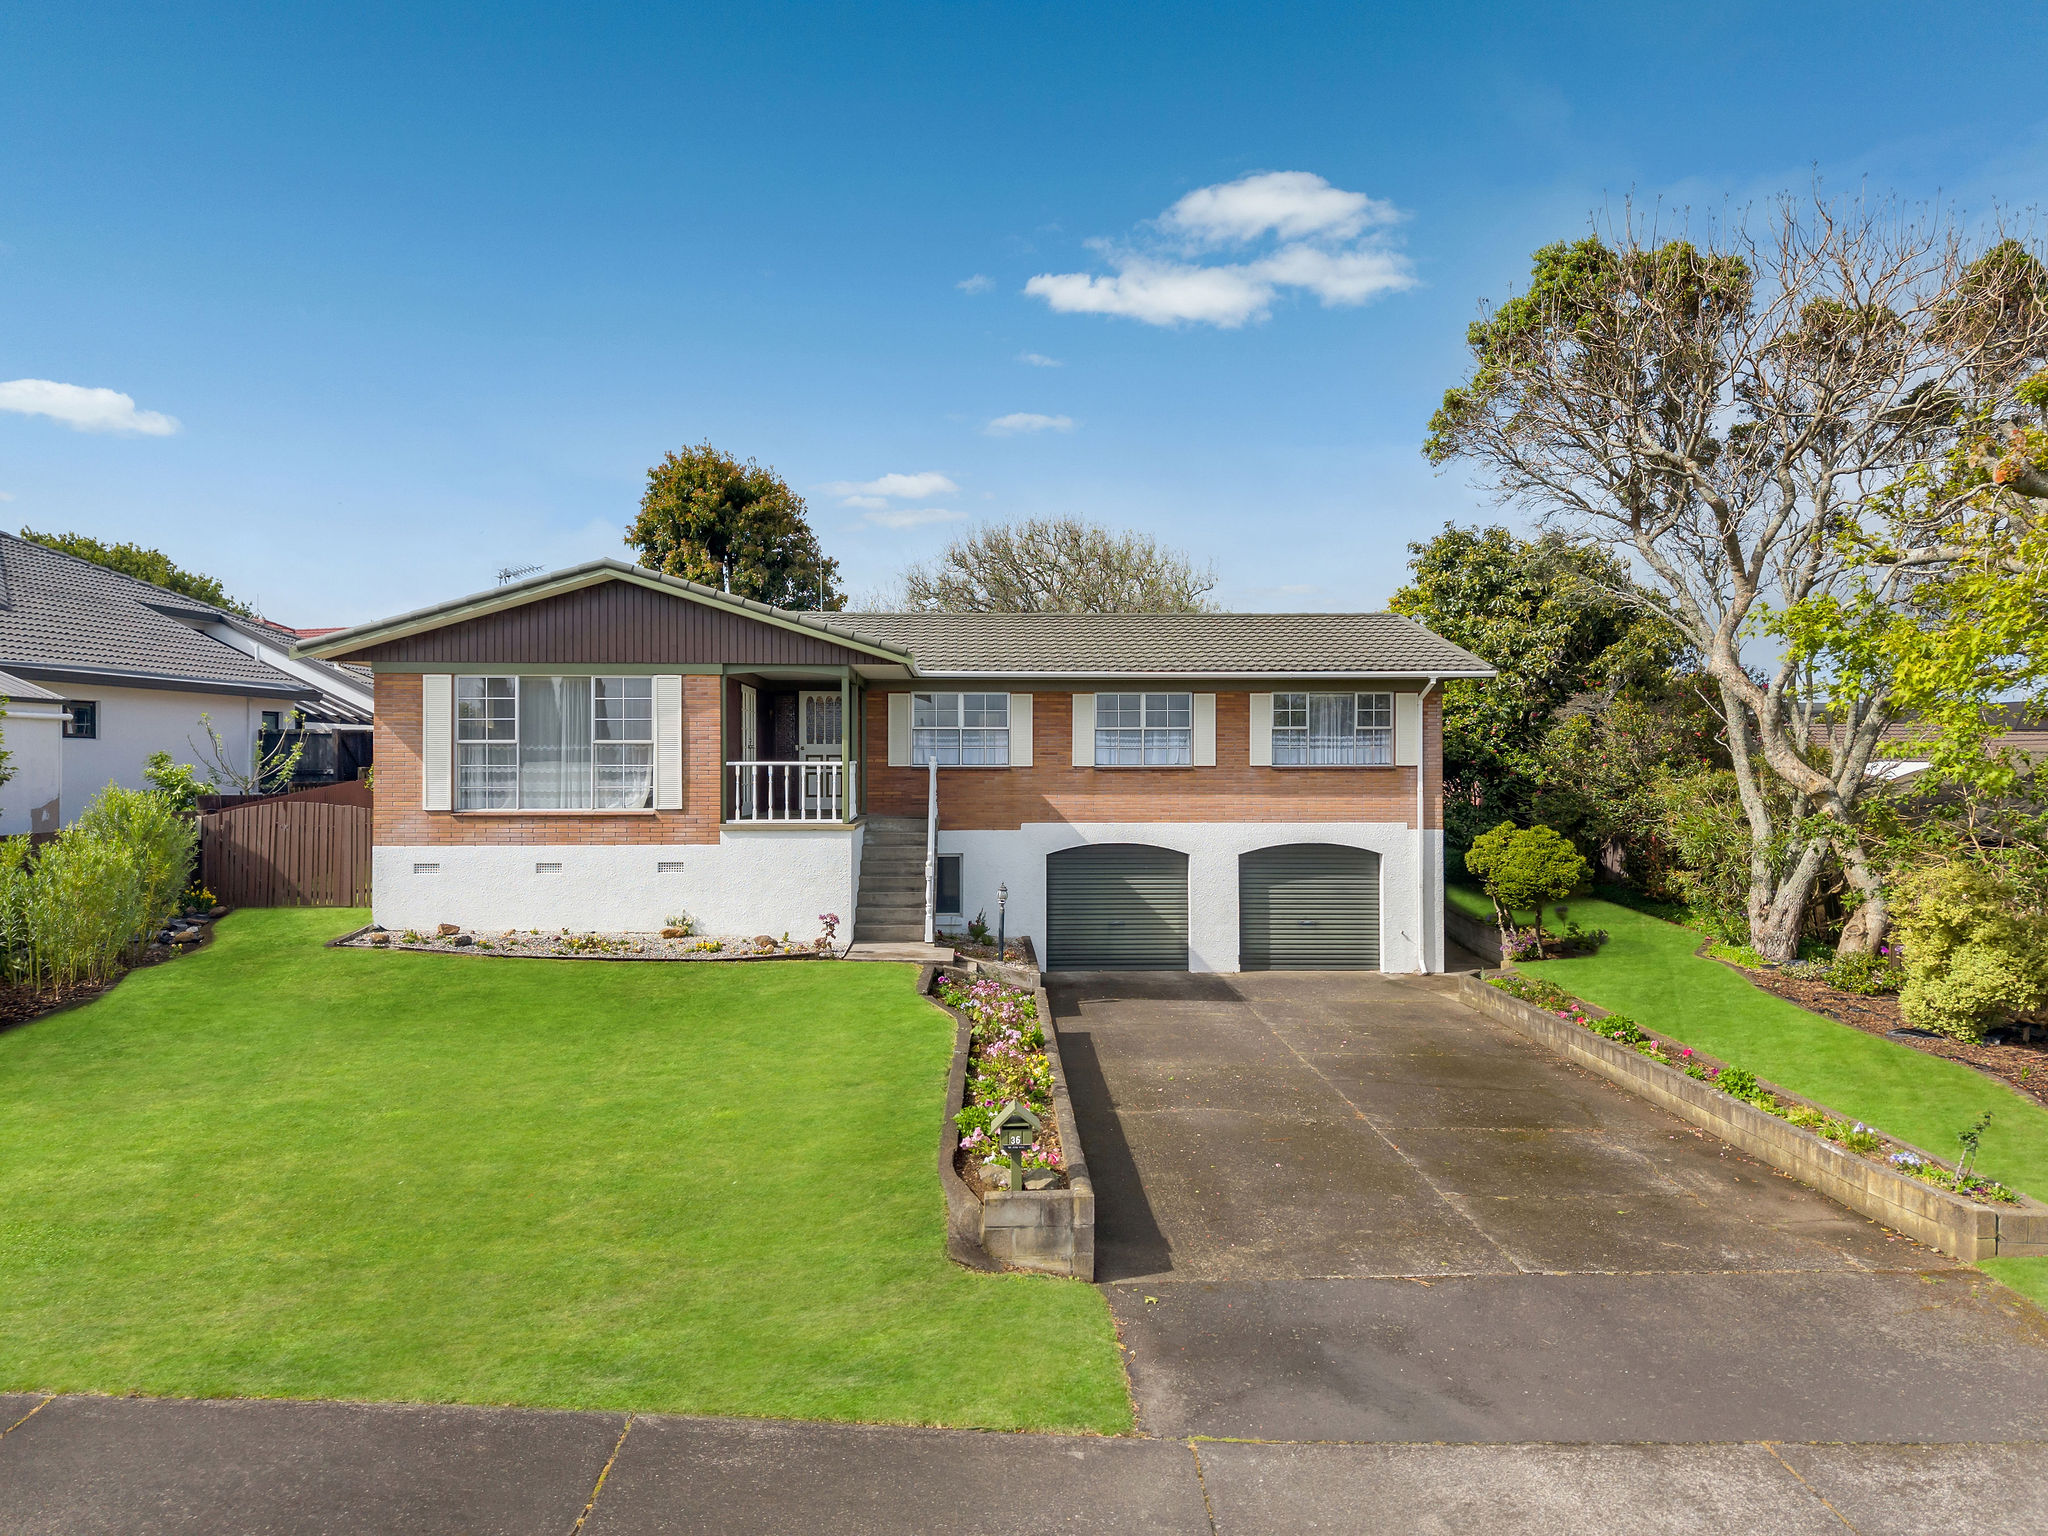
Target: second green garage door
1308	907
1116	907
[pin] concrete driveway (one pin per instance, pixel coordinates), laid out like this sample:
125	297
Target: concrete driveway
1342	1207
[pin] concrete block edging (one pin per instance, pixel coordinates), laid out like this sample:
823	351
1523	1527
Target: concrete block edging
1049	1231
1959	1227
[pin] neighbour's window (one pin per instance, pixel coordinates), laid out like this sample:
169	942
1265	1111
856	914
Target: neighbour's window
273	719
1333	729
554	743
83	718
948	901
960	729
1153	730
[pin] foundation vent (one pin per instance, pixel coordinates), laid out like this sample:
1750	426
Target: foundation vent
426	869
547	869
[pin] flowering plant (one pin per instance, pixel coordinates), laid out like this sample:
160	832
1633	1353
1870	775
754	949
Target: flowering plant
1008	1064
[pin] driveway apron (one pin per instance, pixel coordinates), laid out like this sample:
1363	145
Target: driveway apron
1340	1206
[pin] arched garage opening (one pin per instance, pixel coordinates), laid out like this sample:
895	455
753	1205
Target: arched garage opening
1116	907
1308	907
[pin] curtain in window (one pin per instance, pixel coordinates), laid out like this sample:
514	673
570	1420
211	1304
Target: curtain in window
554	743
625	743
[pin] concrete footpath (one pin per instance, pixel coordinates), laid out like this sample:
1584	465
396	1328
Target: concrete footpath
150	1467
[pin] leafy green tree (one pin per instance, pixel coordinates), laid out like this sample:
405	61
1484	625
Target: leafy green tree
1524	867
179	783
150	565
1559	621
1738	416
1058	565
738	527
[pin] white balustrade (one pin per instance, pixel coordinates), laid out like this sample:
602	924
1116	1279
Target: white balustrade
816	790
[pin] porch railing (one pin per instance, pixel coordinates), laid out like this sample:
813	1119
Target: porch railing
819	790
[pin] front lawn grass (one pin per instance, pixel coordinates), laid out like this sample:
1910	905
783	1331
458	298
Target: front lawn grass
276	1170
1647	970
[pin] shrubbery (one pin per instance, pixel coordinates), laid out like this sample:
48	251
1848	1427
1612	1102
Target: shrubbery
73	910
1975	952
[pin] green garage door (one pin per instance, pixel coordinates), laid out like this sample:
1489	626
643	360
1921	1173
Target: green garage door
1308	907
1116	907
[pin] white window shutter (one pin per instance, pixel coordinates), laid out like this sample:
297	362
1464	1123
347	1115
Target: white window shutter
1084	730
437	741
1020	730
668	743
1205	730
1407	729
899	730
1262	730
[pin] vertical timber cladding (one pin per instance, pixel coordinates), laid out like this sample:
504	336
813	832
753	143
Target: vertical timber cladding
1116	907
1308	907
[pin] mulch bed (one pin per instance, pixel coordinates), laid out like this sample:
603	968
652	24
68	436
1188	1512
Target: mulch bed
2019	1065
523	944
18	1005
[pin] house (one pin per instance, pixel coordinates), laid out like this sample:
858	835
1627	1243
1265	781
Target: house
605	747
100	670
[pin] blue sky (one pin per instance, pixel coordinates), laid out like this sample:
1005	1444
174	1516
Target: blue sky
423	290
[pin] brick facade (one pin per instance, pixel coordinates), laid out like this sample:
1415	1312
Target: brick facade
1053	790
398	820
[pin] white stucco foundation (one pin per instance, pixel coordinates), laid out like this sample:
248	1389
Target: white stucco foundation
1411	913
749	882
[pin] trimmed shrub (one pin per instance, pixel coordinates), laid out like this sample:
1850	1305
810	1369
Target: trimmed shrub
1975	953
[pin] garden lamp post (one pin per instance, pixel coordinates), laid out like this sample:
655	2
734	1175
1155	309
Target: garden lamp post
1016	1128
1002	901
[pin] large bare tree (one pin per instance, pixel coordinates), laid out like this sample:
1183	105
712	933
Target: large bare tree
1740	415
1057	565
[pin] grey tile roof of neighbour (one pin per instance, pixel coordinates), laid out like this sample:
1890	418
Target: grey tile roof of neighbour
63	615
1212	644
12	687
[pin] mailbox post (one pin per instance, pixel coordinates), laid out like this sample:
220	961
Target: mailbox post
1016	1128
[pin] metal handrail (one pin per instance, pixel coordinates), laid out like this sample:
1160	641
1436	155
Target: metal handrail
931	856
802	789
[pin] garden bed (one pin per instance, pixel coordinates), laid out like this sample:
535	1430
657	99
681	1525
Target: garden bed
1007	1049
532	944
1898	1184
2020	1064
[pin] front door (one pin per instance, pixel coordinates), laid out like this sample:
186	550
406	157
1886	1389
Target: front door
820	738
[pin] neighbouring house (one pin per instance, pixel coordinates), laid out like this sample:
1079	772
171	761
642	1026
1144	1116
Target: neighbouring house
99	670
606	748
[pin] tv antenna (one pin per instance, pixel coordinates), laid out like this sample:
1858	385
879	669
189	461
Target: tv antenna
514	572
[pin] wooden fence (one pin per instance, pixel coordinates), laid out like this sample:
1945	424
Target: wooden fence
287	851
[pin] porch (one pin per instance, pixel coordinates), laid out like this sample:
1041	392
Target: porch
790	757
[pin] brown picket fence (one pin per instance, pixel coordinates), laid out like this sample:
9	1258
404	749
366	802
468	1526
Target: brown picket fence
287	852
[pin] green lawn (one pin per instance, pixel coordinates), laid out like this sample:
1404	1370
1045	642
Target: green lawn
1647	970
272	1169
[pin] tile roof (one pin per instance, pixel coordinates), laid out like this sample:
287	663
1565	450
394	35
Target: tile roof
12	688
63	615
1213	644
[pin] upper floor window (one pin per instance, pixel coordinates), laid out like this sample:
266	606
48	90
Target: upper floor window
960	729
81	718
554	743
1333	729
1153	730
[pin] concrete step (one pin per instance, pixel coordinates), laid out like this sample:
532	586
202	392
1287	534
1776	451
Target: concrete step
913	915
889	933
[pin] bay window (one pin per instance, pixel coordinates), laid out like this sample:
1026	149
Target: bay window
1152	730
554	743
960	730
1333	729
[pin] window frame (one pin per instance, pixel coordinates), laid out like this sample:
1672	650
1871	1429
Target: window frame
923	737
1151	737
92	727
1370	745
600	745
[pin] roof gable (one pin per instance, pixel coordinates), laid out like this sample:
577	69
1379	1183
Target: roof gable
601	613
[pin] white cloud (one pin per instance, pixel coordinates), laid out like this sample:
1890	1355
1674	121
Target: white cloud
6	495
979	283
912	517
875	493
1026	421
82	409
1039	360
1326	242
1294	205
